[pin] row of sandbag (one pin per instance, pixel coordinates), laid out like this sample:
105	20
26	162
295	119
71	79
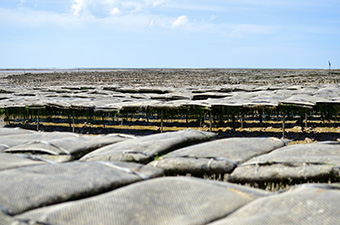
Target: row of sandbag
256	161
102	98
32	187
263	162
59	146
32	175
185	200
249	160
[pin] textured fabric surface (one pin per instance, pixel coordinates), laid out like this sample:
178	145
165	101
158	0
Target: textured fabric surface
194	166
295	164
235	149
13	138
5	219
9	161
306	204
171	200
144	149
321	152
12	131
67	145
27	188
219	156
54	146
288	174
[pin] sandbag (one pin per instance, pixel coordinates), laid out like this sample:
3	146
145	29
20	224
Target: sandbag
144	149
306	204
9	161
6	219
13	131
194	166
215	157
292	164
169	200
69	147
31	187
15	139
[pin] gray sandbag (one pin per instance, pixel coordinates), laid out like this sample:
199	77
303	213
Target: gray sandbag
14	131
292	164
31	187
9	161
306	204
169	200
73	147
215	157
15	139
144	149
5	219
194	166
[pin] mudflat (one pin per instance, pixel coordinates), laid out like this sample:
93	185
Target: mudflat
171	77
237	118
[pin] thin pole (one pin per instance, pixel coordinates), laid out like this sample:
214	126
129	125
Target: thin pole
73	120
162	115
201	121
233	119
186	119
283	125
210	121
147	115
242	120
260	118
301	123
38	121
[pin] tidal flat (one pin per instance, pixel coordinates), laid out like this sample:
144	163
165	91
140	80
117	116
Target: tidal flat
169	146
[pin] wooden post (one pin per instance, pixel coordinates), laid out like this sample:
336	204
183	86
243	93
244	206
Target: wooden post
186	119
322	117
301	122
38	120
210	121
147	115
73	120
242	120
283	125
306	122
201	121
233	119
162	118
260	117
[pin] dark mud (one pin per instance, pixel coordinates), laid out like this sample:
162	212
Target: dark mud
177	77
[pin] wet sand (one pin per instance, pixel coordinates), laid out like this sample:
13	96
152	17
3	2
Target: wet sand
172	77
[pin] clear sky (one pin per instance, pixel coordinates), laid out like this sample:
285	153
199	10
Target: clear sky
169	33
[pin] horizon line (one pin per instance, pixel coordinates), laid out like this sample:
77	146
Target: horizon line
136	68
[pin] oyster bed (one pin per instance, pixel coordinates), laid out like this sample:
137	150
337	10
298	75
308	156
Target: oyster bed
278	103
232	167
67	178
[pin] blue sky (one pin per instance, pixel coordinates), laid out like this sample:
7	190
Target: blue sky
169	33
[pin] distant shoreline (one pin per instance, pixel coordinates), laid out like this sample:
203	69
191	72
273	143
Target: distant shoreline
169	77
19	71
156	68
